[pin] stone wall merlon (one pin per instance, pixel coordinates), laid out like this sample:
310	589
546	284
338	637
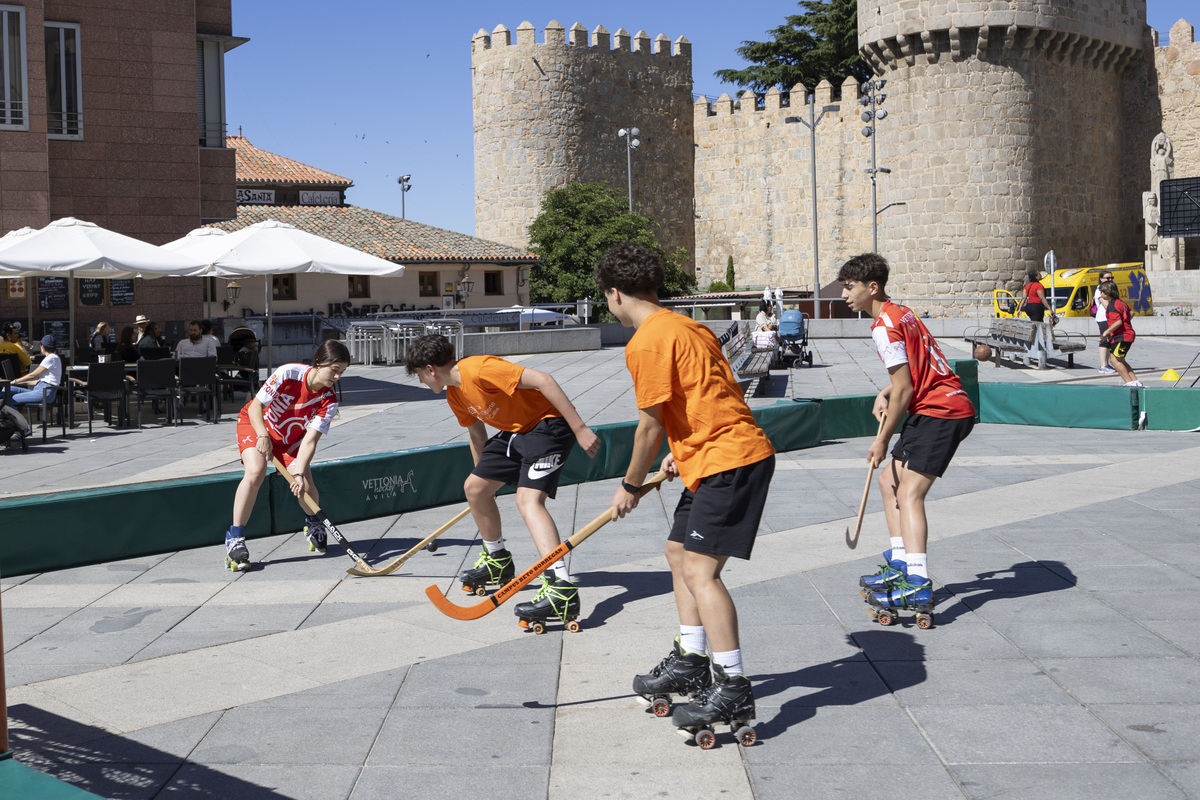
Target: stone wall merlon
555	35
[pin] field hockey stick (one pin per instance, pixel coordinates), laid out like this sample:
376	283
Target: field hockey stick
365	568
852	542
492	602
421	545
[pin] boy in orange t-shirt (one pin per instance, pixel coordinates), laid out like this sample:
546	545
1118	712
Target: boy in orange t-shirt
537	425
686	390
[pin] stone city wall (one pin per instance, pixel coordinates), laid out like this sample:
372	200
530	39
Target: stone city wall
547	114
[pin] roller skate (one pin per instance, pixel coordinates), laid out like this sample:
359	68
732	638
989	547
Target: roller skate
680	673
316	534
891	571
237	557
912	594
557	599
729	700
490	569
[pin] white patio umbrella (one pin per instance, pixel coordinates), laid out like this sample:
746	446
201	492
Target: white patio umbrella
537	315
73	248
270	248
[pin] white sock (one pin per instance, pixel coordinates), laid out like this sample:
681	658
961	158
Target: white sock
918	564
492	547
692	639
560	570
730	661
897	548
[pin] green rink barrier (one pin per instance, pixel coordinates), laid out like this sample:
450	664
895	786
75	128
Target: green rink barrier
92	526
1060	406
25	783
1170	409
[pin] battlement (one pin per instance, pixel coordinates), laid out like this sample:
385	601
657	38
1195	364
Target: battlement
775	100
554	35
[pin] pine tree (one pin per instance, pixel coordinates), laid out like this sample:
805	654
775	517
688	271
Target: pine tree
729	274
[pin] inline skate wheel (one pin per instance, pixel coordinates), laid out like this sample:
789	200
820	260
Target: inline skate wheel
746	735
573	626
885	618
706	739
924	621
661	707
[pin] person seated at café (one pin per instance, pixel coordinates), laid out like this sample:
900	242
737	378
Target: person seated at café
139	328
206	327
27	389
126	347
197	345
99	340
151	339
12	344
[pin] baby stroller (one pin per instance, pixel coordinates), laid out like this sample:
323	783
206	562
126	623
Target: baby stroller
793	332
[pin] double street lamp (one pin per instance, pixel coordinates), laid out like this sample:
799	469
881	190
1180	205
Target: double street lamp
811	123
631	143
872	96
403	180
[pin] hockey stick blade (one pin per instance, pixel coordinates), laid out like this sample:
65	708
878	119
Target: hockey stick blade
395	565
366	568
852	541
493	601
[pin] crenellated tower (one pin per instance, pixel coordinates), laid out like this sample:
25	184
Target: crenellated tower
998	142
547	113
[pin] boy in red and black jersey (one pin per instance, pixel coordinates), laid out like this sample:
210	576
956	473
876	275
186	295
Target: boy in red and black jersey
1119	335
940	416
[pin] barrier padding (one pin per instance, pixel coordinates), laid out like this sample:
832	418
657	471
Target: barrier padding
26	783
114	523
1170	409
1060	406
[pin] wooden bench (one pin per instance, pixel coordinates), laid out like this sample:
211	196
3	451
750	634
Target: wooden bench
1029	341
747	363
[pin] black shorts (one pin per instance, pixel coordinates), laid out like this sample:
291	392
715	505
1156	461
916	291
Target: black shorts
721	517
927	444
528	460
1036	311
1119	349
1103	326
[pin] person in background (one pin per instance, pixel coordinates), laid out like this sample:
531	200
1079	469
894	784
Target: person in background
1119	335
1035	297
49	373
12	344
765	316
139	326
151	338
197	345
206	328
1100	313
99	341
126	347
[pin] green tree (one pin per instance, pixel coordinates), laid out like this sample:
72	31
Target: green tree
578	223
729	274
820	43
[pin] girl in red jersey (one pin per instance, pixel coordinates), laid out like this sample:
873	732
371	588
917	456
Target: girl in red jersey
285	419
940	416
1119	335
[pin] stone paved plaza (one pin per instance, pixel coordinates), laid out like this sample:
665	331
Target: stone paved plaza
1063	663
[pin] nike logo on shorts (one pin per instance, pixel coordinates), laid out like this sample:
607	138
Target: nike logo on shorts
546	466
696	535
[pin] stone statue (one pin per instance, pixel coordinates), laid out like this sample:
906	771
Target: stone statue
1160	253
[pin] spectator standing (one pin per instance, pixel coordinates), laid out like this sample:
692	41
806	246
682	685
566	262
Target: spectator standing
1035	297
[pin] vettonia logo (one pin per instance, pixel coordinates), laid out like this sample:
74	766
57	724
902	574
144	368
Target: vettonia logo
388	486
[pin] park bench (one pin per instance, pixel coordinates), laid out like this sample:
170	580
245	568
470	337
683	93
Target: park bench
1029	341
749	365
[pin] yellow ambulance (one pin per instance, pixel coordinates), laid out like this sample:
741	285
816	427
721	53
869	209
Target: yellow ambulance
1074	289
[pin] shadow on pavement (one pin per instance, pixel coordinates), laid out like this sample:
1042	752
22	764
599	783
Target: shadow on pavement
638	585
114	766
1019	580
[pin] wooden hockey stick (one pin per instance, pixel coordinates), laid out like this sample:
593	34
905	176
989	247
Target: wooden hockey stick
493	601
852	542
421	545
366	568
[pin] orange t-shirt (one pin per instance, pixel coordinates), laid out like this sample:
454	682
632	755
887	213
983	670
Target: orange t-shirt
677	363
488	392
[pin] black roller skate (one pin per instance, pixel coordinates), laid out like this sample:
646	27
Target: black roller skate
237	557
557	599
317	536
911	594
491	569
680	673
891	571
730	700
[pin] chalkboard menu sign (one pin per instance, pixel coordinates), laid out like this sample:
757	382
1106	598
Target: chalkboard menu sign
52	294
60	329
121	292
91	292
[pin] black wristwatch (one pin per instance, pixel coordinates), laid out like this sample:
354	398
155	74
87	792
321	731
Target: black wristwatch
630	488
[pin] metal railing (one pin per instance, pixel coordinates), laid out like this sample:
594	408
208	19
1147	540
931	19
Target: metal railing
388	341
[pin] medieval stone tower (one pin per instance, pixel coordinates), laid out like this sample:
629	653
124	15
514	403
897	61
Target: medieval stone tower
1007	147
548	113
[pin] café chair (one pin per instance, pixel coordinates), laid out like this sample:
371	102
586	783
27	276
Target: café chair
105	384
155	382
198	378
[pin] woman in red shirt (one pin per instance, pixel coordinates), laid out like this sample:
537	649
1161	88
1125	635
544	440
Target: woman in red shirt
1035	297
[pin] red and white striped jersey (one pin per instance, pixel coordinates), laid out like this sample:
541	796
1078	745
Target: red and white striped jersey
290	409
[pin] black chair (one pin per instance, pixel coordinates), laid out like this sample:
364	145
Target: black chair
13	360
105	385
85	355
60	405
153	353
156	382
245	378
226	354
198	378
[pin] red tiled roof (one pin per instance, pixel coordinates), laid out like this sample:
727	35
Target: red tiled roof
382	235
261	166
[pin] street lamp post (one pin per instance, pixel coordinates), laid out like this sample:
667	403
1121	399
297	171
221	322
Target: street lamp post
811	124
403	180
464	288
872	97
631	143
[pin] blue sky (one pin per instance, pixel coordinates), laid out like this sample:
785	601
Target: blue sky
375	89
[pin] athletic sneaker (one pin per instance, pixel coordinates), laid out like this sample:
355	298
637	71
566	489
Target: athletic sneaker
237	557
1107	370
1134	384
